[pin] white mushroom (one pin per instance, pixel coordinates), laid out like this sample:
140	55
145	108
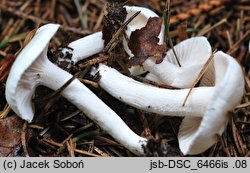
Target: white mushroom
198	134
192	53
206	111
32	68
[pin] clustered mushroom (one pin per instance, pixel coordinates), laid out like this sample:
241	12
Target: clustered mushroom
205	112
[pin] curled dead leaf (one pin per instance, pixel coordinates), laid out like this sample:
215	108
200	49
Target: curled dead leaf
144	43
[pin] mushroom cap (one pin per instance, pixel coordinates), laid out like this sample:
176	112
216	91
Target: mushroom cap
198	134
20	84
192	53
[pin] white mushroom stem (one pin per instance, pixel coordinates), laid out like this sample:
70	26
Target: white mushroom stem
32	68
89	103
153	99
85	47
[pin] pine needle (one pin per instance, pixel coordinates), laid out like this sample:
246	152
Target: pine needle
203	70
166	16
5	112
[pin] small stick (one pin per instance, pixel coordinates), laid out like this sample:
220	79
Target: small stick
108	48
35	126
71	115
80	13
53	7
70	147
238	43
203	70
49	141
166	17
65	140
243	105
247	81
23	139
75	139
248	154
39	20
102	153
244	8
37	7
5	111
93	61
89	82
241	144
2	53
86	153
204	31
109	141
147	131
99	20
230	43
83	128
6	27
223	145
235	134
232	151
243	122
44	131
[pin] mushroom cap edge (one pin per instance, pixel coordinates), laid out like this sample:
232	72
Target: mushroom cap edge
202	134
24	60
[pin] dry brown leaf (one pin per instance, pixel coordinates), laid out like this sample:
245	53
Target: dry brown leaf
10	136
144	43
10	128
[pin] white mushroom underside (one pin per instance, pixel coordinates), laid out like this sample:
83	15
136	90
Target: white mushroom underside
198	134
192	53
